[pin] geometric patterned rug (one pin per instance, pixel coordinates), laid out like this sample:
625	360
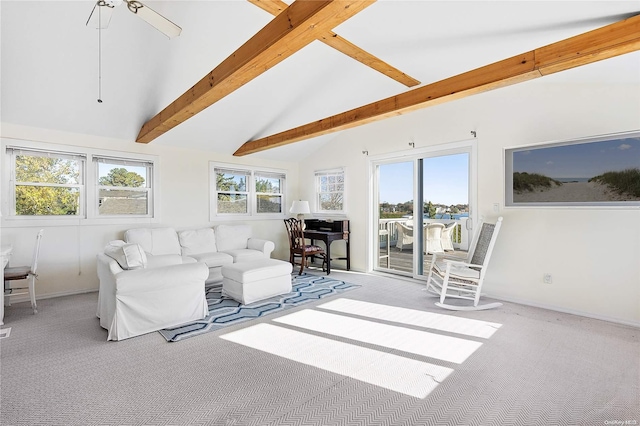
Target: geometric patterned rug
224	311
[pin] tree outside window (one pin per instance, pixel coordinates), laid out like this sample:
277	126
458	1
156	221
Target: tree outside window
46	185
123	187
231	189
330	191
268	194
245	191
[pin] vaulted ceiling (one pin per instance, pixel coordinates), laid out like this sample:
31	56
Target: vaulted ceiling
50	63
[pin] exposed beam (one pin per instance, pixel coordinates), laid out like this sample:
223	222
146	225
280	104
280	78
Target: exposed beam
602	43
297	26
275	7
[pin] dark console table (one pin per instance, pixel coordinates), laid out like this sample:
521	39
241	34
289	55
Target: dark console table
329	231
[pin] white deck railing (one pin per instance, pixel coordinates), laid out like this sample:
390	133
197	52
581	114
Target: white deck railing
461	236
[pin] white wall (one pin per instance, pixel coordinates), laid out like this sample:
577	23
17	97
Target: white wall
592	254
67	259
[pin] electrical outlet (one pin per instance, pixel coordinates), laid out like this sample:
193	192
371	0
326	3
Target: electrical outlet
546	278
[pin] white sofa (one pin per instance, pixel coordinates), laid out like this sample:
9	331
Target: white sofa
218	246
156	278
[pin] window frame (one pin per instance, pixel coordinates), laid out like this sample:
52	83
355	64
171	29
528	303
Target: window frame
31	152
269	175
89	192
252	173
148	187
214	187
318	174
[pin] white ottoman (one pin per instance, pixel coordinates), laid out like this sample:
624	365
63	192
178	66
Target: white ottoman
248	282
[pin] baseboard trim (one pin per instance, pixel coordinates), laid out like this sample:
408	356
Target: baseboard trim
25	298
556	308
564	310
519	301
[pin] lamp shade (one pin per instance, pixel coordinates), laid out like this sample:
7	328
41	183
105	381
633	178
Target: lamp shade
300	207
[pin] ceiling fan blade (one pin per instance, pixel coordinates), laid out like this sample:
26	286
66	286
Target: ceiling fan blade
158	21
100	15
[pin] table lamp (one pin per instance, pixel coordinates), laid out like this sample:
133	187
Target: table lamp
300	208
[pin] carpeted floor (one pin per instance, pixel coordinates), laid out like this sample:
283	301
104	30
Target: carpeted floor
225	312
382	354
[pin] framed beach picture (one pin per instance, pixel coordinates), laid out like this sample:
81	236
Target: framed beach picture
596	171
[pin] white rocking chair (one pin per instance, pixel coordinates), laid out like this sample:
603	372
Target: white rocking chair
463	279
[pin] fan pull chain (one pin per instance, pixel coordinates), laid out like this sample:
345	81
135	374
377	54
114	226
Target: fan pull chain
99	54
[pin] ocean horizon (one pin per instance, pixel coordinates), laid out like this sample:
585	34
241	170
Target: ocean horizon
456	216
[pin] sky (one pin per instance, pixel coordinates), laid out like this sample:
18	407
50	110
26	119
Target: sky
446	180
584	160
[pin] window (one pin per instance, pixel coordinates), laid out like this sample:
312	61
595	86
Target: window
269	192
232	193
50	183
246	191
46	183
124	186
330	191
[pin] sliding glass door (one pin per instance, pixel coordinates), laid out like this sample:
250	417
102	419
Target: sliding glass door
422	204
395	213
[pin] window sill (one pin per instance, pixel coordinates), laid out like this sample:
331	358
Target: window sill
14	222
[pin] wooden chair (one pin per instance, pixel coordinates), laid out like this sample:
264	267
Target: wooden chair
298	246
14	273
463	279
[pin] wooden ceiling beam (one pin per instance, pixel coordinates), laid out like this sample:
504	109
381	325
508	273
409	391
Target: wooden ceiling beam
275	7
602	43
297	26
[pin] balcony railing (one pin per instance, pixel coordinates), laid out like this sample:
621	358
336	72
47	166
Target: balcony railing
461	236
398	257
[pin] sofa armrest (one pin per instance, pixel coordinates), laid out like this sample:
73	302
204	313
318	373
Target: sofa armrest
265	246
107	266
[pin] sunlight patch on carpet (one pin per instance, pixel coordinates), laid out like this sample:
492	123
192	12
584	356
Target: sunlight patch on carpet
394	372
437	346
442	322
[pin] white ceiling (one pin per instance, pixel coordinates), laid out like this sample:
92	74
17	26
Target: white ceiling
50	63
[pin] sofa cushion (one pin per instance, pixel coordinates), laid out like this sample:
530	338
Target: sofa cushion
196	241
214	259
128	256
244	255
167	260
262	269
155	241
231	237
